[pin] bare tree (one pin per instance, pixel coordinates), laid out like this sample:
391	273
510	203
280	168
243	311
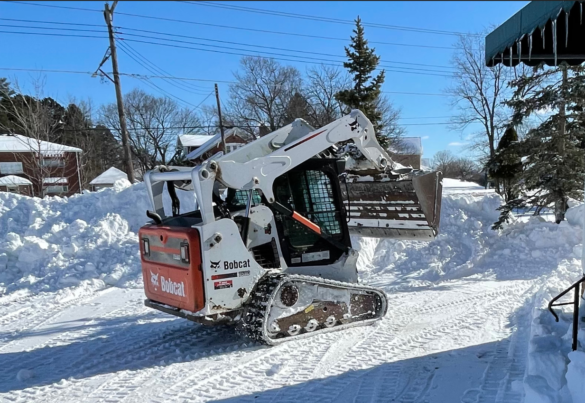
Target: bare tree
154	125
477	95
34	120
322	84
443	161
262	93
389	121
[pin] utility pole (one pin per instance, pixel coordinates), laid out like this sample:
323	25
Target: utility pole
109	16
220	121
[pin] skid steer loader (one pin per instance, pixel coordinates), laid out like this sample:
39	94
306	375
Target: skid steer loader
268	247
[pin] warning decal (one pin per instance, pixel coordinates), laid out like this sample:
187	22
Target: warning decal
219	285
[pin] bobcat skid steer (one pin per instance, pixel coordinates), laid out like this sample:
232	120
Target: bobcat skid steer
268	247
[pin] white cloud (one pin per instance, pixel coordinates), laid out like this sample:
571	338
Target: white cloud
425	137
457	144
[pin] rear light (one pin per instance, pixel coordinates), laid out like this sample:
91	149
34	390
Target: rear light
185	253
146	246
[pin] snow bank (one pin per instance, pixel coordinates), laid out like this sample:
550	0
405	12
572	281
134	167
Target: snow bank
466	246
87	240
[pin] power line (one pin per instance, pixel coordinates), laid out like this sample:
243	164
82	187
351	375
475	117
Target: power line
327	62
189	79
153	84
391	69
304	52
229	126
52	6
243	28
52	22
271	54
323	19
185	86
269	47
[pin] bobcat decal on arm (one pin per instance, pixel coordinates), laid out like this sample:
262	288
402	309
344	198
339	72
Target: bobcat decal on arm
215	265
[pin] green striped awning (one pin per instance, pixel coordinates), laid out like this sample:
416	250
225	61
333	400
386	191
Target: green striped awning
548	32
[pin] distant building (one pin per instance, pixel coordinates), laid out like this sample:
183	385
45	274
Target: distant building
107	178
16	184
191	142
52	169
234	139
409	153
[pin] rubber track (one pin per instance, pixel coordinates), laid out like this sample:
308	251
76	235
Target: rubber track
258	308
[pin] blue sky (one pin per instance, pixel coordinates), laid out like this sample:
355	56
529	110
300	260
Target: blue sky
84	54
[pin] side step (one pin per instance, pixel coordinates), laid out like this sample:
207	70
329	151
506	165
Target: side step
181	313
384	207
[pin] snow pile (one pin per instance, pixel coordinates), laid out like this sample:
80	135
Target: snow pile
466	246
90	239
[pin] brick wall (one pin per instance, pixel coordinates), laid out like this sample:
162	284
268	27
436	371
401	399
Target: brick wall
33	171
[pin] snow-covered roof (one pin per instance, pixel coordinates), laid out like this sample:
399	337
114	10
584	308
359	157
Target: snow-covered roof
193	140
215	140
411	145
13	180
109	176
52	181
19	143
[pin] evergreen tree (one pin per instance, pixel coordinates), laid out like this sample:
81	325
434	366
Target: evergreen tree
553	167
5	90
366	90
506	164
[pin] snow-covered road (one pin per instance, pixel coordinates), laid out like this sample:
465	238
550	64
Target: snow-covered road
457	342
465	321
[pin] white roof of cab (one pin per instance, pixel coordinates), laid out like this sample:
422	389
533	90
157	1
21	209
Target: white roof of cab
10	143
109	176
13	180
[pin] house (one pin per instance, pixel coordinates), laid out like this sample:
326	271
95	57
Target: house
191	142
410	152
52	169
16	184
234	139
107	178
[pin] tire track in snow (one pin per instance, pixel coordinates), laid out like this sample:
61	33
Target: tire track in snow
42	316
401	347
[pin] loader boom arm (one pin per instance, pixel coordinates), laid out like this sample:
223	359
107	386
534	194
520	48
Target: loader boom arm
260	173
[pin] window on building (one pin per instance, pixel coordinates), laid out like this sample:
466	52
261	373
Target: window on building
232	147
53	162
11	168
12	189
56	189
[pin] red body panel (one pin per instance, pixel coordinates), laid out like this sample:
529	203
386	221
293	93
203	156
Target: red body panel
168	278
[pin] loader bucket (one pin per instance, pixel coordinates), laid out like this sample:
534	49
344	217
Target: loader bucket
382	207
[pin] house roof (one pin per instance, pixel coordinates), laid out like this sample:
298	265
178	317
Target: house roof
10	143
193	140
409	145
560	29
215	140
13	180
109	176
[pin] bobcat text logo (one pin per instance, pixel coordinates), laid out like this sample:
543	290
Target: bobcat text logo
154	279
214	265
169	286
236	264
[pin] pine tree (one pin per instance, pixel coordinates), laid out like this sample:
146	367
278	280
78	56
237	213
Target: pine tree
506	164
5	90
364	95
553	167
